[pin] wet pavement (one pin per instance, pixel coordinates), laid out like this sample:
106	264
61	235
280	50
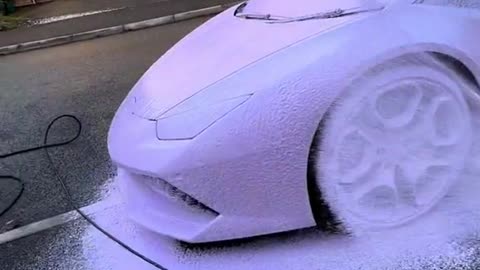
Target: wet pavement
78	245
88	79
126	11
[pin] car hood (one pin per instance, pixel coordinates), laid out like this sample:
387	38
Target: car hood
216	50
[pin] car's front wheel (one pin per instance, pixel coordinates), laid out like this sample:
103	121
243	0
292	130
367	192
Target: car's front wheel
393	144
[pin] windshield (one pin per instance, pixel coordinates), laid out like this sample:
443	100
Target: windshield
304	7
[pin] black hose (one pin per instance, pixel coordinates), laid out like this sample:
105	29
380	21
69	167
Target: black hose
45	147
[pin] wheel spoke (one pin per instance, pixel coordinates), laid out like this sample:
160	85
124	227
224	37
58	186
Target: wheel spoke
422	186
405	185
355	175
375	188
452	127
355	156
373	135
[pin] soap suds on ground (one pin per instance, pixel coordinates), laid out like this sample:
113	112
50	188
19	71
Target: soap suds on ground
447	237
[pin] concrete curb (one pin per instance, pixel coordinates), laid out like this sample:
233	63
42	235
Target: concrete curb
60	40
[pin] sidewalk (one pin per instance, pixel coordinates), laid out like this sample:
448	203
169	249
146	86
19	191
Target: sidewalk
128	11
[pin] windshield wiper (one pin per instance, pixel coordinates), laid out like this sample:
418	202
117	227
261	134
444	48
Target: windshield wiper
267	17
321	15
329	14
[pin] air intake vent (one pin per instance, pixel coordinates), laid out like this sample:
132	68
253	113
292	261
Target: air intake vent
164	188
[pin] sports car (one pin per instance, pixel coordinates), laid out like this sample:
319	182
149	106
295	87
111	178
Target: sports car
354	115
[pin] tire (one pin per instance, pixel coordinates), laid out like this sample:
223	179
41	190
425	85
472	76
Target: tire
393	144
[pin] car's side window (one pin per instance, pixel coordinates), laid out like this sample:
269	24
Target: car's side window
457	3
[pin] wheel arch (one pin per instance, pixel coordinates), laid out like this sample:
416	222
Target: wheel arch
460	67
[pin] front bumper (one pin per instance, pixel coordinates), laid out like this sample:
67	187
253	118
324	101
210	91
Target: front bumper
207	194
157	205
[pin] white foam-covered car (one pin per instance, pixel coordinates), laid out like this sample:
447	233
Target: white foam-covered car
279	115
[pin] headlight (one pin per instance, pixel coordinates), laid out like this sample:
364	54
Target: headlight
183	123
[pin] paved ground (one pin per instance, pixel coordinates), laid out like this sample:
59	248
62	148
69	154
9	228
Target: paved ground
77	245
132	11
62	7
88	79
34	252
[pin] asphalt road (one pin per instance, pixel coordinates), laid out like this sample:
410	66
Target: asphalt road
90	79
87	79
126	11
